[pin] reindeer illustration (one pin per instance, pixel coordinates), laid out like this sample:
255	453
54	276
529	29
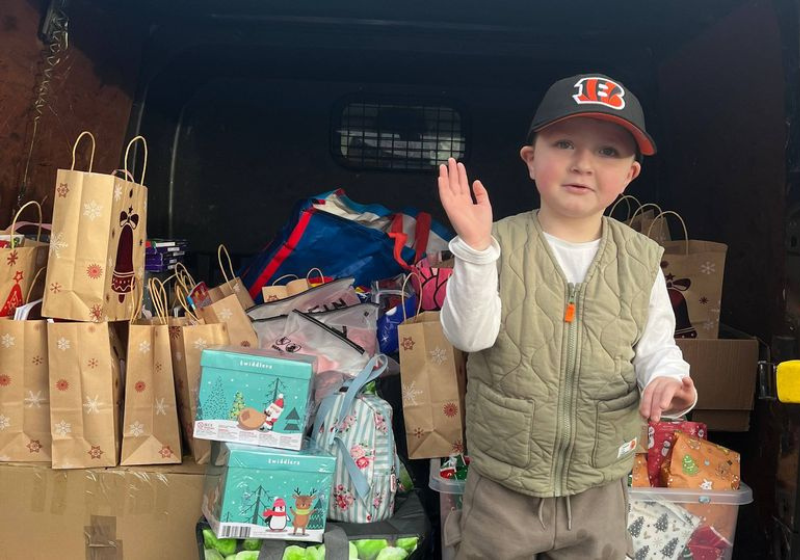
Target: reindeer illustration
683	326
302	514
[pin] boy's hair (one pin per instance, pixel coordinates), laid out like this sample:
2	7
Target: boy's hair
596	96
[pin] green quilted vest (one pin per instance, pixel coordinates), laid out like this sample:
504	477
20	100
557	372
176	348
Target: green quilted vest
552	407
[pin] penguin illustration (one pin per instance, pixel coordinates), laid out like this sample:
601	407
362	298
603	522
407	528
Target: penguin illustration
272	413
275	517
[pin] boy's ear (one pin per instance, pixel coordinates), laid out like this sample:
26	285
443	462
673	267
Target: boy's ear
636	170
527	155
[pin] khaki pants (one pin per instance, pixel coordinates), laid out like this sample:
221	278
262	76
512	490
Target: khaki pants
500	524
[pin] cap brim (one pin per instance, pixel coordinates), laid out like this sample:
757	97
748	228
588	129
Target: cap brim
646	144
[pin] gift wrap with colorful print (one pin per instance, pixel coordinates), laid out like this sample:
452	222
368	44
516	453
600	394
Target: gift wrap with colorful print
257	492
96	246
254	396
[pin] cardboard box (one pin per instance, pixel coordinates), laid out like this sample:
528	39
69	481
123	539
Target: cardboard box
724	372
263	493
121	513
254	396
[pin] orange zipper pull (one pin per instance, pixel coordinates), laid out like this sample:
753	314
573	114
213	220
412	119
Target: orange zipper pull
569	314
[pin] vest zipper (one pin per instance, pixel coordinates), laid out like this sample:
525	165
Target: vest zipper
565	405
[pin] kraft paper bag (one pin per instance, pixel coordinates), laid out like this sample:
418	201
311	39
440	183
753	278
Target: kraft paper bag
20	259
97	243
232	285
150	429
85	394
24	391
694	271
229	311
188	337
433	376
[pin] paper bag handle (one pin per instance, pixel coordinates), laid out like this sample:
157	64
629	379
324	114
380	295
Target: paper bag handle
138	301
75	148
184	277
158	295
144	165
403	294
220	250
180	295
284	277
33	283
128	174
318	271
627	198
647	205
16	217
683	224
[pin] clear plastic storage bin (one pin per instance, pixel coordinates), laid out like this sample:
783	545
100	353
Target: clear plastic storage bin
450	493
666	521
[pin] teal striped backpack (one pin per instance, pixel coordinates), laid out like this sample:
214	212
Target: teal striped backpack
357	429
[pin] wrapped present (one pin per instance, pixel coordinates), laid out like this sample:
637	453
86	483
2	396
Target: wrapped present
660	441
639	476
696	463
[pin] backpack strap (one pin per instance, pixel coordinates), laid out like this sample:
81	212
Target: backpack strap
371	371
356	476
356	385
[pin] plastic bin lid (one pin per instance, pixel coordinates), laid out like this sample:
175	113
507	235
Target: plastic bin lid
444	485
742	496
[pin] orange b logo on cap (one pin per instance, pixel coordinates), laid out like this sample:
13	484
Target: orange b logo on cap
600	91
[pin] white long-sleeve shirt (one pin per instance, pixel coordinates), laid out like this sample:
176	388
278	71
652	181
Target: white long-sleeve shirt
470	314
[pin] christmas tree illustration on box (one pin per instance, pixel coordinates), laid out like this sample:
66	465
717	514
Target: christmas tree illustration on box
215	405
292	421
238	406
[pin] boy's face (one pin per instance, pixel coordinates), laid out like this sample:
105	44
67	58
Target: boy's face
581	166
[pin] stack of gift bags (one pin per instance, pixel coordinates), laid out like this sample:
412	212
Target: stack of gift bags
686	521
61	353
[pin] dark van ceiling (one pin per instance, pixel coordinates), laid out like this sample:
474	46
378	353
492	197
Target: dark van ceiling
573	25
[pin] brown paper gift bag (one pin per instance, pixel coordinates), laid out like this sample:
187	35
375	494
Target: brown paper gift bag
232	285
85	394
97	243
18	265
188	338
694	271
228	311
276	292
24	391
150	430
434	383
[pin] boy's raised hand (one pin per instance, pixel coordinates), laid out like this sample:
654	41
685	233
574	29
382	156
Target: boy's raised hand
667	394
471	220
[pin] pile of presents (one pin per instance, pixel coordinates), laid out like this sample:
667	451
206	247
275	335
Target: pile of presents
269	379
688	521
112	353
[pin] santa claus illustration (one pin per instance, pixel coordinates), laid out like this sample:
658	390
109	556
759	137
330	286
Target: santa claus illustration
272	413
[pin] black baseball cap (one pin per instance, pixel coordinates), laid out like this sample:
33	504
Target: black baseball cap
596	96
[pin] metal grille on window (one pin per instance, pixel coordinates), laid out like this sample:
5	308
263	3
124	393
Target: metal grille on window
397	135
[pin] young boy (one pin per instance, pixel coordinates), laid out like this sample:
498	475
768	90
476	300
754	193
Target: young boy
578	323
